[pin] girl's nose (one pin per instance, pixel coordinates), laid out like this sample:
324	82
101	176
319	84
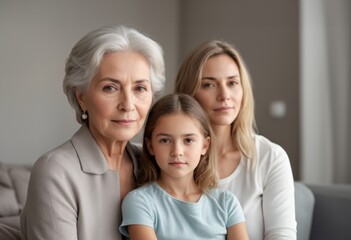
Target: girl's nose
177	150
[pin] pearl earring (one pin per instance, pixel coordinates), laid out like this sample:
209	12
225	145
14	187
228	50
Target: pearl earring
84	116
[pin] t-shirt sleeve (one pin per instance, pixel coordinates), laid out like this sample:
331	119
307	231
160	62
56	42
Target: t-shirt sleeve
137	208
234	210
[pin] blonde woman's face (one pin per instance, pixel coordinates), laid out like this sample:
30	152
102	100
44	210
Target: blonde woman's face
221	92
119	97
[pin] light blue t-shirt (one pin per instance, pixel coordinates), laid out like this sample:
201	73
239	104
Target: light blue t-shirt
171	218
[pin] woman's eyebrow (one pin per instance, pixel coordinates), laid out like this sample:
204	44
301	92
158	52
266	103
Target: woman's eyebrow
213	78
209	78
119	82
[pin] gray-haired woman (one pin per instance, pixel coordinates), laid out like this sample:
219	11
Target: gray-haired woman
75	190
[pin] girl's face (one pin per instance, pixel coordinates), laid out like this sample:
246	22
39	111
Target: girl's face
118	97
177	143
220	93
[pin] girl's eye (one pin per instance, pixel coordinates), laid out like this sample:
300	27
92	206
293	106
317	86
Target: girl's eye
188	140
164	140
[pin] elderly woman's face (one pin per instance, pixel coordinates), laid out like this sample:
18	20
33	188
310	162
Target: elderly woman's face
118	97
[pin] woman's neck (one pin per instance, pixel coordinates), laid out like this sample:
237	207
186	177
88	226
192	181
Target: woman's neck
224	139
113	150
228	154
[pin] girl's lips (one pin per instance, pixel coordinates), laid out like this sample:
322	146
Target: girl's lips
177	163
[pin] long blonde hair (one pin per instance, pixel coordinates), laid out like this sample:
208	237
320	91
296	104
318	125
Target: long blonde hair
189	81
205	174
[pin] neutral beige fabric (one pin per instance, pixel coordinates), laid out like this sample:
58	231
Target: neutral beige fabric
9	233
72	194
20	178
4	177
8	202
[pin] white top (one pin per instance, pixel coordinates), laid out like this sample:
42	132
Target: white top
171	218
266	193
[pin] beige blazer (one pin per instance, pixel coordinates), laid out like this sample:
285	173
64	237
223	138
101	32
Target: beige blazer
72	194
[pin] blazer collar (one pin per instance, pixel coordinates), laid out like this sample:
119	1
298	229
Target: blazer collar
91	158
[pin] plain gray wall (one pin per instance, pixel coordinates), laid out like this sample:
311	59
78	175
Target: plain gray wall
36	37
267	35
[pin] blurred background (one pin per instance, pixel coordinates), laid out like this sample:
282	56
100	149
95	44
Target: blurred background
298	54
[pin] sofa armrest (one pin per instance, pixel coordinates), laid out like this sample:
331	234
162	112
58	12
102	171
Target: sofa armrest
332	212
304	205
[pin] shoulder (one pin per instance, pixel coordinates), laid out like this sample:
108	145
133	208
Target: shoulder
61	157
140	200
141	190
143	193
222	196
264	145
53	178
272	161
268	151
57	165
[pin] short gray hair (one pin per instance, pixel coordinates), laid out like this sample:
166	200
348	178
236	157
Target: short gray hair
86	56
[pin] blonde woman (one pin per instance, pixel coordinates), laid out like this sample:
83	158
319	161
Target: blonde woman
255	169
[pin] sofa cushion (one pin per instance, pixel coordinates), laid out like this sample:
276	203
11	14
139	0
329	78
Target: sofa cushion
20	179
12	221
4	177
9	233
332	211
8	203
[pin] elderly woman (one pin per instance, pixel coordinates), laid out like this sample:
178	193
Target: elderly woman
75	190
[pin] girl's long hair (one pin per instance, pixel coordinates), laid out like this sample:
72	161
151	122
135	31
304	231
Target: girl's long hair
205	174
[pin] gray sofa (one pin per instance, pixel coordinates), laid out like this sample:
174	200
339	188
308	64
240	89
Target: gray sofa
332	211
321	210
13	190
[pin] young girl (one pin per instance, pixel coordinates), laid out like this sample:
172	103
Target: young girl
178	198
